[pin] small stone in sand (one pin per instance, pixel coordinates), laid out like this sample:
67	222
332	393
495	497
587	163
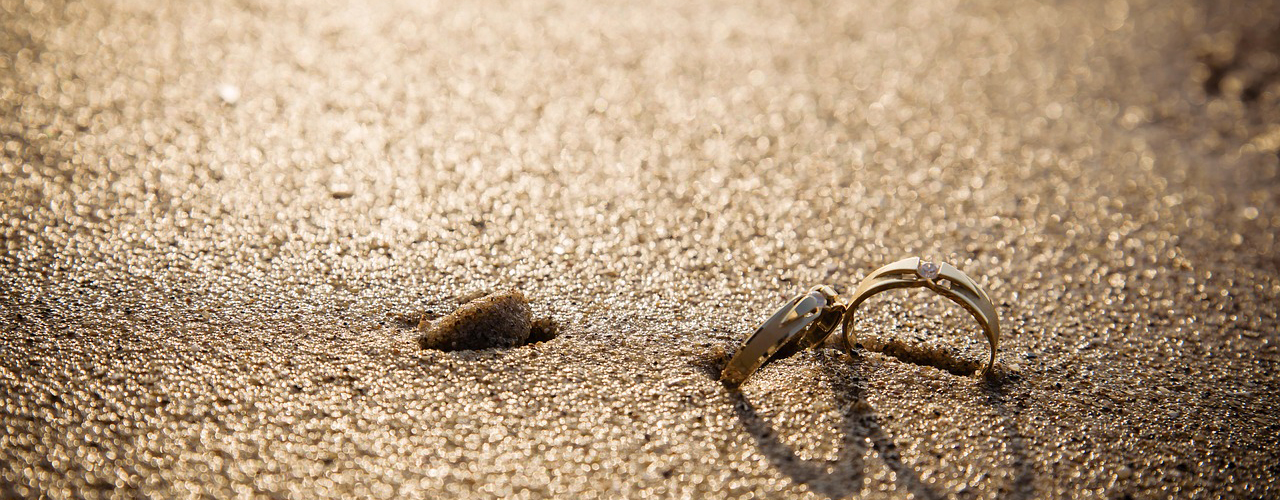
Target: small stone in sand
341	190
229	93
499	320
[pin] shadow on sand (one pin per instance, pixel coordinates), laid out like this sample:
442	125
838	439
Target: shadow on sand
997	386
860	432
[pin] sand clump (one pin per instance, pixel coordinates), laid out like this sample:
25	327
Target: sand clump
501	319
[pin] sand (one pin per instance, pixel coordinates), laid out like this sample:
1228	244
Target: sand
215	218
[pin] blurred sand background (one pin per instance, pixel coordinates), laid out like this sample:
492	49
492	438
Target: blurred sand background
215	216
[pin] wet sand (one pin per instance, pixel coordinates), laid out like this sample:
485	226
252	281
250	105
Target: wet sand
221	225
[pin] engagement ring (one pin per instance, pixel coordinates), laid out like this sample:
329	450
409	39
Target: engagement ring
944	279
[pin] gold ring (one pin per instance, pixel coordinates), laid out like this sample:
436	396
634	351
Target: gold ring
944	279
804	321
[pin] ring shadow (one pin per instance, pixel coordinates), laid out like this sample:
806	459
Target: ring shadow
997	387
844	476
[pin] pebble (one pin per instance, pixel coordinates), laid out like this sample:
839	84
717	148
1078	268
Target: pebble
341	190
498	320
229	93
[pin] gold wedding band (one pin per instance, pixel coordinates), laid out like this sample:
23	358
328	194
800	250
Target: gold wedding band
944	279
803	321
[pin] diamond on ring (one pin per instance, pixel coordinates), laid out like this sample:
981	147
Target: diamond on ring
928	270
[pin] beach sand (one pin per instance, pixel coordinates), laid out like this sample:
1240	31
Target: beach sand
222	222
